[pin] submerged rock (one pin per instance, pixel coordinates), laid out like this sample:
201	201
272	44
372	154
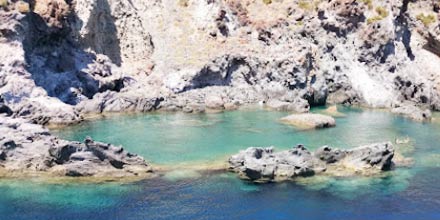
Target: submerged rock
309	121
333	111
264	165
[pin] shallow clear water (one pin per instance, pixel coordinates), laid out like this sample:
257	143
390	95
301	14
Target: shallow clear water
165	139
170	138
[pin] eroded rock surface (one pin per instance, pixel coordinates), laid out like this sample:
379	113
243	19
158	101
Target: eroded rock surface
265	165
413	112
27	148
112	56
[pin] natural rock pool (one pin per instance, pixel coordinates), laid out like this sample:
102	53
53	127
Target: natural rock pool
179	142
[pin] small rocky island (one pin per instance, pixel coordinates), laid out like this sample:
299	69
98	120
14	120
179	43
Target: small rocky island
265	165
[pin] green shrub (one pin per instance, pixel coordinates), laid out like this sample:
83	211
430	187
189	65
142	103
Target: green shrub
305	5
369	3
426	19
374	19
183	3
382	13
3	3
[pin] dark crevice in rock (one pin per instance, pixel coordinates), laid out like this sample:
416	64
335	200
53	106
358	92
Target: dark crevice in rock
54	49
4	109
221	74
385	51
433	45
50	52
103	39
402	29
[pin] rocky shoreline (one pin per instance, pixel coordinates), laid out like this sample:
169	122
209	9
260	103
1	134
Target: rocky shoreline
63	67
64	60
28	148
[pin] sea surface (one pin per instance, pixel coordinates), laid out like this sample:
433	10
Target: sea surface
181	141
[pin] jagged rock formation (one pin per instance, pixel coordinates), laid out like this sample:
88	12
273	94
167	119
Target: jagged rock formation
105	55
263	164
27	148
413	112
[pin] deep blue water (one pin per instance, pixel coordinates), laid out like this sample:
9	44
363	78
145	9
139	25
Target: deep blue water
405	193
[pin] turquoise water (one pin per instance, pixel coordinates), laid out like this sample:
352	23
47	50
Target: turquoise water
170	138
178	139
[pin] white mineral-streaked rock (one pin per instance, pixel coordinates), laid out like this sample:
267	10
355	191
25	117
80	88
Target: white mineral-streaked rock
413	112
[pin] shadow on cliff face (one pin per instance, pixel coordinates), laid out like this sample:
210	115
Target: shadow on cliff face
433	45
102	35
56	57
51	58
403	31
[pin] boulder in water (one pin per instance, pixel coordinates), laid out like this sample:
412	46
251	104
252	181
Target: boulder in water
333	111
309	121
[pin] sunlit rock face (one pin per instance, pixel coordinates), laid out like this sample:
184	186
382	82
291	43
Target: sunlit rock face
377	54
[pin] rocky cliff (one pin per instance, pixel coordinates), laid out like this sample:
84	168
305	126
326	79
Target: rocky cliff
62	59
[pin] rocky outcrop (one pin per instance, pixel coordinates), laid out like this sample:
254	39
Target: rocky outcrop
413	112
117	30
111	101
266	165
93	158
309	121
299	105
63	59
148	55
26	149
